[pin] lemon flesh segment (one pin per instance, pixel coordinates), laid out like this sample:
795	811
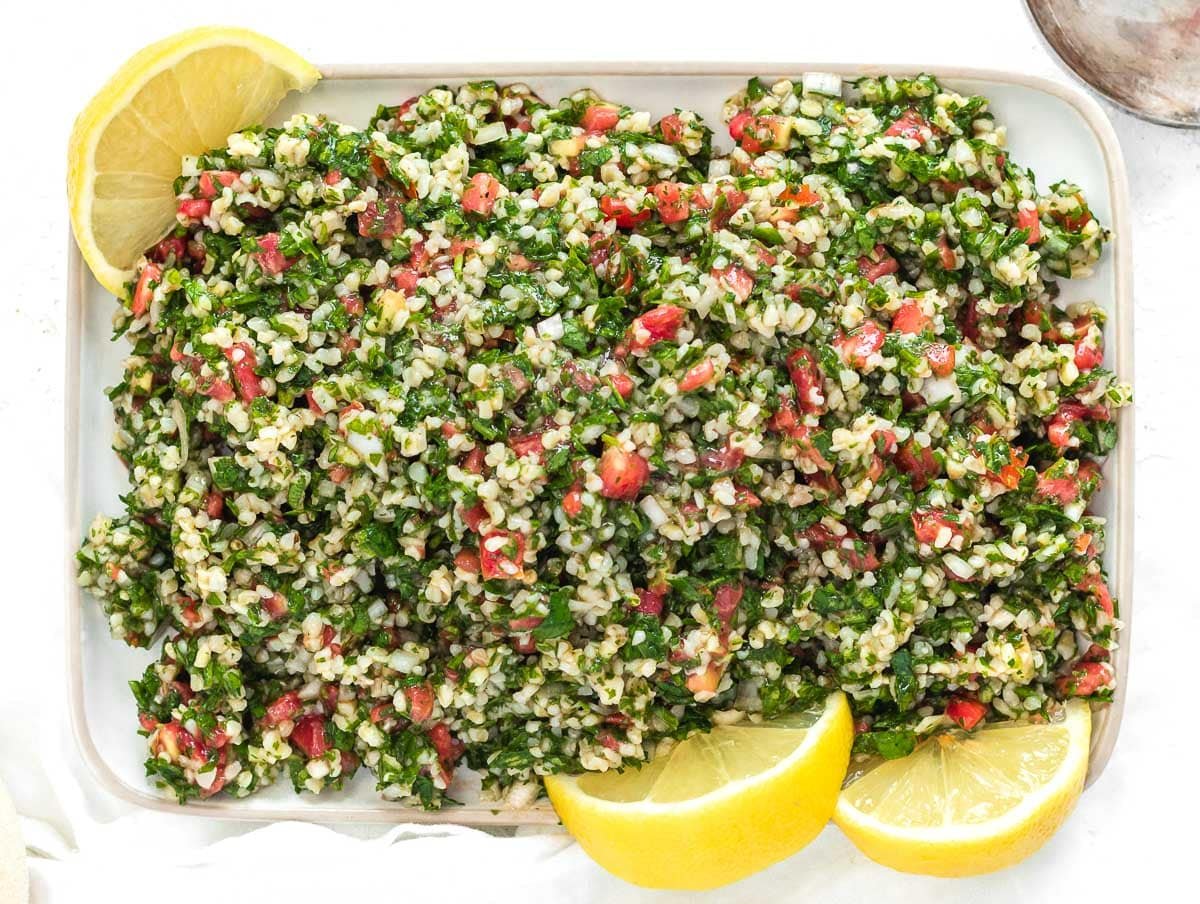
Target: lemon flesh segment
180	96
716	808
963	803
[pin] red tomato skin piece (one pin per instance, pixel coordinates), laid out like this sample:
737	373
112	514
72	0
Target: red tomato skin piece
622	473
1028	219
965	712
600	118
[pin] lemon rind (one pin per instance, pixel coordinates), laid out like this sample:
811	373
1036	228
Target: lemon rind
120	90
836	709
1068	780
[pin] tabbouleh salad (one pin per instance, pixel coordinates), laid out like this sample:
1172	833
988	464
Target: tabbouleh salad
532	437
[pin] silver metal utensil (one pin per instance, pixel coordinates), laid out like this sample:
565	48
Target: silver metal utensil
1143	55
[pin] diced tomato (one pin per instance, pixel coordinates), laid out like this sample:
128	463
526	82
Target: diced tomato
351	303
276	606
309	735
623	385
725	600
1089	353
382	219
1058	430
381	711
765	133
189	613
968	320
672	205
621	213
328	633
147	721
928	524
1064	490
965	712
910	319
269	257
1076	222
600	118
660	323
650	600
467	560
697	376
507	560
196	209
474	461
572	503
210	179
619	719
474	516
875	469
860	560
283	708
519	263
1028	219
143	293
736	280
1094	584
737	125
481	197
449	748
731	201
529	444
818	536
802	196
946	253
744	498
727	458
908	125
525	644
349	762
525	624
214	503
622	473
881	266
941	358
1010	474
809	381
863	342
918	462
216	388
242	362
672	128
405	279
331	694
420	702
339	473
171	247
1085	679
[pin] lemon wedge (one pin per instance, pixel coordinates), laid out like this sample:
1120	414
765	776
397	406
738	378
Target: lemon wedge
718	806
964	804
182	95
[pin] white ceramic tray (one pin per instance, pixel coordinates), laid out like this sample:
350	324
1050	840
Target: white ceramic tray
1053	128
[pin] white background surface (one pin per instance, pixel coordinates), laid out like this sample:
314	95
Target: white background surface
1127	836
